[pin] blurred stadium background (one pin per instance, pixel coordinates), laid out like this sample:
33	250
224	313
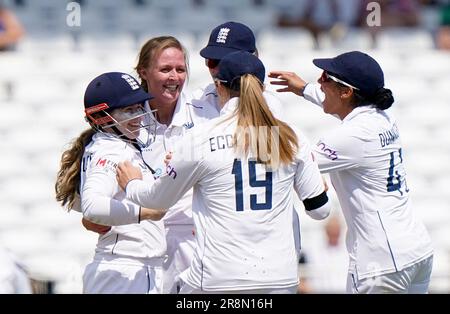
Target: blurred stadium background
42	82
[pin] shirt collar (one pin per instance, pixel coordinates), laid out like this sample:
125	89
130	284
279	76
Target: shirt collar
357	111
230	106
180	113
211	90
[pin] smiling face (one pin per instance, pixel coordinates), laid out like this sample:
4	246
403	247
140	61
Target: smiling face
165	76
129	120
337	97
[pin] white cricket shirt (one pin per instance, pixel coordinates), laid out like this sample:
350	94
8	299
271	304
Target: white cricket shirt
104	202
242	212
365	160
188	114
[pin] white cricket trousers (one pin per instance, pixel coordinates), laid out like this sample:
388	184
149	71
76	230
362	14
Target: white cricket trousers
414	279
123	276
180	251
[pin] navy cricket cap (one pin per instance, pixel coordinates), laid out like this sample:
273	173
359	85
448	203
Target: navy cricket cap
236	64
355	68
116	90
229	37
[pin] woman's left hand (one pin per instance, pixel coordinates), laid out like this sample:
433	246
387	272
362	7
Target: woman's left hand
127	172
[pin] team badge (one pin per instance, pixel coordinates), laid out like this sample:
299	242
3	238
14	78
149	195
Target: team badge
222	36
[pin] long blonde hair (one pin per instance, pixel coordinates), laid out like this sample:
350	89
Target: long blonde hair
68	177
152	48
273	144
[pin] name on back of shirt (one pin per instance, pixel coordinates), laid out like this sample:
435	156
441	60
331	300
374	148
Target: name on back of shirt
220	142
388	137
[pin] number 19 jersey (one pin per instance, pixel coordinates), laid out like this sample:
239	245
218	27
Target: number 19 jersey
242	210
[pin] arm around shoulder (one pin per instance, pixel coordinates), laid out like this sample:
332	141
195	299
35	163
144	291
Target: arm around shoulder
151	214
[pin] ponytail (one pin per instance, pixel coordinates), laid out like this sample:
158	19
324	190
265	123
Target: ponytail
383	99
277	144
68	177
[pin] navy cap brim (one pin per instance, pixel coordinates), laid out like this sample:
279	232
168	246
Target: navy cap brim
326	64
216	52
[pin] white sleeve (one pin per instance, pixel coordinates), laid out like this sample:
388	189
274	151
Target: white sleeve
314	94
341	149
169	188
309	184
97	202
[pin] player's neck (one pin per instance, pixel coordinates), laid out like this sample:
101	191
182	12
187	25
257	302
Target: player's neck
345	109
164	112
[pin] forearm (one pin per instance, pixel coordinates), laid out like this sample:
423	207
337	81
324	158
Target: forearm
140	192
152	214
314	94
109	212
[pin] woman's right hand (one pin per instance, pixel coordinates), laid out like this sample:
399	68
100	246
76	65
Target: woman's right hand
292	82
152	214
127	172
100	229
168	158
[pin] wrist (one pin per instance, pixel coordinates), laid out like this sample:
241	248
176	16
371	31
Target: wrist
128	183
302	89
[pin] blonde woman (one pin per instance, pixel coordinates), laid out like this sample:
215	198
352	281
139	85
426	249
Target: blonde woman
243	166
128	257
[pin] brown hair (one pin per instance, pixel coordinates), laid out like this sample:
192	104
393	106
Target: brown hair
152	48
280	146
68	177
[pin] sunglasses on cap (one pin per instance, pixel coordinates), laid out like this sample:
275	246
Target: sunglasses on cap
326	77
217	81
212	63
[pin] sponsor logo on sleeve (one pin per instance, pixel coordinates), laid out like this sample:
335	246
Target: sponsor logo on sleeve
330	153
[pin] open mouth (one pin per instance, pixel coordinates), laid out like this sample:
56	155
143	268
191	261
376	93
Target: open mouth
172	87
133	127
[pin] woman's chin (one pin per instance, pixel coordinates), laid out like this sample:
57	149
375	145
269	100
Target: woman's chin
172	96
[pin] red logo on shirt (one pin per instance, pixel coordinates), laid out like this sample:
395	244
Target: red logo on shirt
101	162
